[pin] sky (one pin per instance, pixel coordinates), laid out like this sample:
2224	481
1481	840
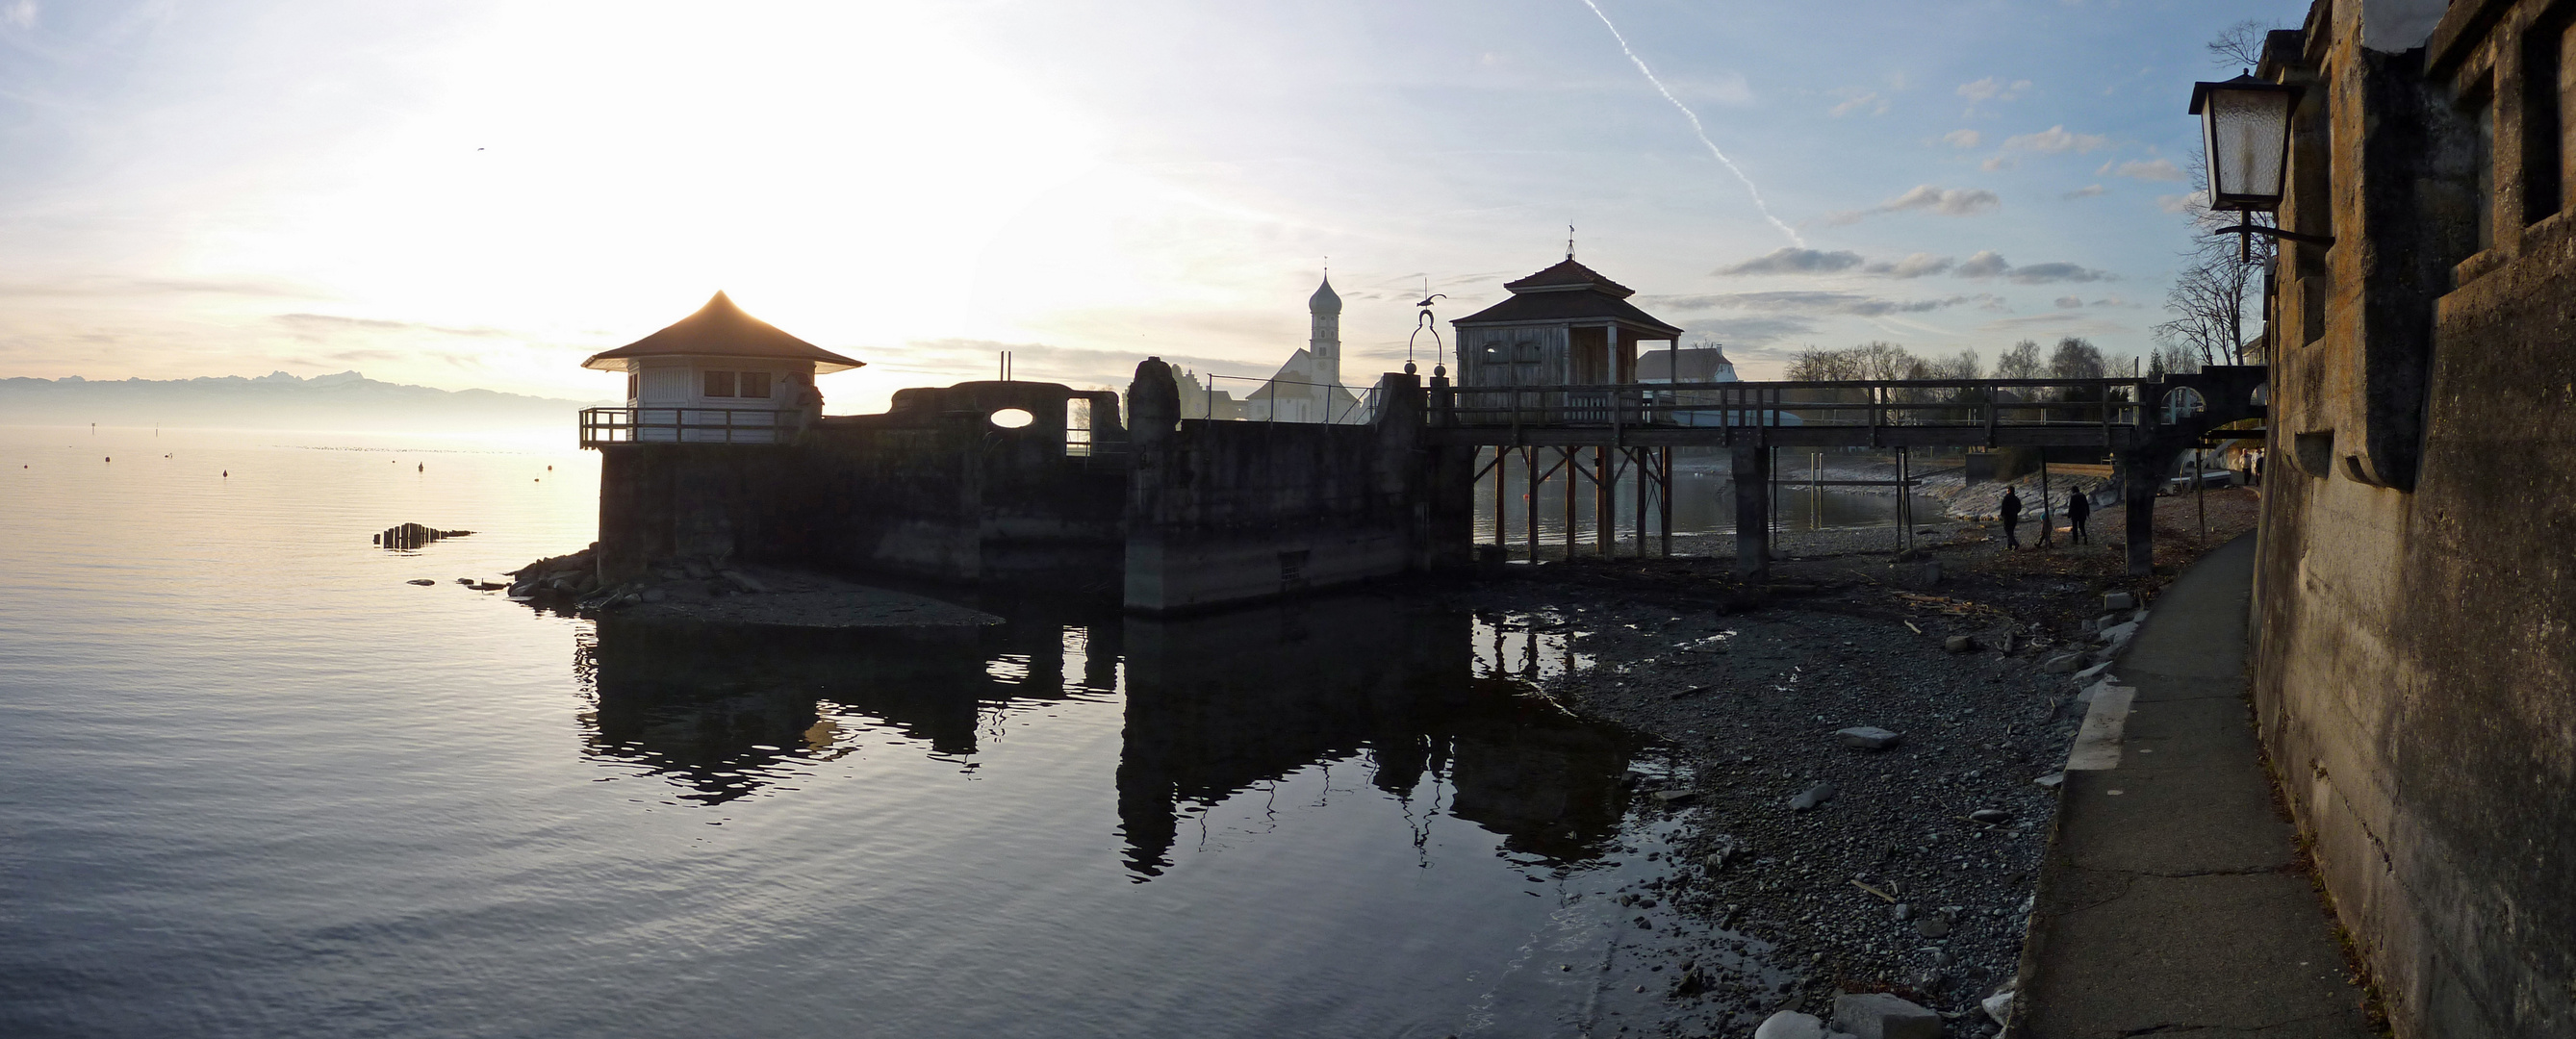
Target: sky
482	194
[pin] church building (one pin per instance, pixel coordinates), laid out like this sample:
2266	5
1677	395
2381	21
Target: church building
1309	387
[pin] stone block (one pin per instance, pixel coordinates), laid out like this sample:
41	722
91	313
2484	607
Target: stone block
1790	1024
2063	664
1868	737
1877	1015
2088	675
2120	601
2118	635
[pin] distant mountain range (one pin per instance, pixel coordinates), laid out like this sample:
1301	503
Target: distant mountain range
348	401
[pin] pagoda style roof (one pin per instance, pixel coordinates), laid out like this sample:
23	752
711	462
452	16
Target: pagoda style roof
1568	293
1568	276
721	329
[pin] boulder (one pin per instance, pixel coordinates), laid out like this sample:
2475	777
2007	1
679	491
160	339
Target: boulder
1878	1015
2118	635
1869	737
1999	1006
1991	815
1960	643
2120	601
2051	781
1812	796
2063	663
2086	676
1675	797
1790	1024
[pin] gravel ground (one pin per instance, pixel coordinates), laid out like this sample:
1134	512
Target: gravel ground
1769	907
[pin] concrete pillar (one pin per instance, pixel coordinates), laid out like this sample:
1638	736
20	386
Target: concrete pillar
2138	493
1752	512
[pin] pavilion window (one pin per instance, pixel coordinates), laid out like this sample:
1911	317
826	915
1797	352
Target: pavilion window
754	385
719	384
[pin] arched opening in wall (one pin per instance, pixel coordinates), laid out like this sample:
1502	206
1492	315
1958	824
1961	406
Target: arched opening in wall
1012	418
1077	427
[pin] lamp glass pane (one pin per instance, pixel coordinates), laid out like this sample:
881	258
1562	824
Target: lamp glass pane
2247	132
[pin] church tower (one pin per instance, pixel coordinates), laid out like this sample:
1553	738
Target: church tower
1325	307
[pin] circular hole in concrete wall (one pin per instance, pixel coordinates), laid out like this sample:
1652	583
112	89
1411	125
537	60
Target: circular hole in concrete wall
1012	418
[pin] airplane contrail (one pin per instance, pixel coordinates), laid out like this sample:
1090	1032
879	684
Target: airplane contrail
1696	128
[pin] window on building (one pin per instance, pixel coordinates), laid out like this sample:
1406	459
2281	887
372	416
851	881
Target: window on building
630	385
2548	83
754	385
719	384
1077	427
2482	108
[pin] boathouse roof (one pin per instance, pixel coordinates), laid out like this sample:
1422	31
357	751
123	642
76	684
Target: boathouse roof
1567	292
721	329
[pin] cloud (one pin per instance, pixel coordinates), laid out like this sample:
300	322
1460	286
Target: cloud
1811	302
1753	331
312	325
1793	260
1985	264
19	15
1963	139
1993	88
1914	265
2069	302
1996	162
2046	273
2141	169
2087	191
1990	264
1857	100
2184	203
1945	201
2055	140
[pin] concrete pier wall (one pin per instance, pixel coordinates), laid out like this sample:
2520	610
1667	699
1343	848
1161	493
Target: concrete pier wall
1229	512
2415	677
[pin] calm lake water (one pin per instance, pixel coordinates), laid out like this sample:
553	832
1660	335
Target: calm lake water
254	784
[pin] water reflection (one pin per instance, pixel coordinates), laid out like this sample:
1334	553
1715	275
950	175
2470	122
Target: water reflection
1417	698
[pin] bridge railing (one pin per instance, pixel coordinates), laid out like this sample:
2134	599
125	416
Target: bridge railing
1903	402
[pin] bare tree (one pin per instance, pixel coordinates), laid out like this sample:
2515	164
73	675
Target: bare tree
2020	362
2239	45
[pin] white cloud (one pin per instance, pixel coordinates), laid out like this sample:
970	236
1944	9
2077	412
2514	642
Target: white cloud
1962	139
1945	201
1857	100
2069	302
1997	162
19	15
1915	265
1851	303
2087	191
1793	260
1985	264
2055	140
1993	88
1990	264
2142	169
2185	203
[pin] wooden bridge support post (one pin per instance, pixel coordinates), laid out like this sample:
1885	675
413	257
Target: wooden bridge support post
1573	468
1641	457
2138	494
1605	503
1752	512
1664	502
1531	486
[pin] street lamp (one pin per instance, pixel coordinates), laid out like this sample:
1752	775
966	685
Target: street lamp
2245	131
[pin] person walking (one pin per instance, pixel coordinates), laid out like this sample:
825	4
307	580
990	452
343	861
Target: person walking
2011	513
2079	506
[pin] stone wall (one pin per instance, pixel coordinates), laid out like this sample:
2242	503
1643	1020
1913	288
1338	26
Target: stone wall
2415	665
1229	512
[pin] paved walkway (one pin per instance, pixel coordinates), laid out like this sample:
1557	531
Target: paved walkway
2170	904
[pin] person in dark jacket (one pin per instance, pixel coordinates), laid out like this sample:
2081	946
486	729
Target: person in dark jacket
2079	506
2011	513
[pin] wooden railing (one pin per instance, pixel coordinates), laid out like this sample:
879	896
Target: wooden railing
1986	403
689	426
